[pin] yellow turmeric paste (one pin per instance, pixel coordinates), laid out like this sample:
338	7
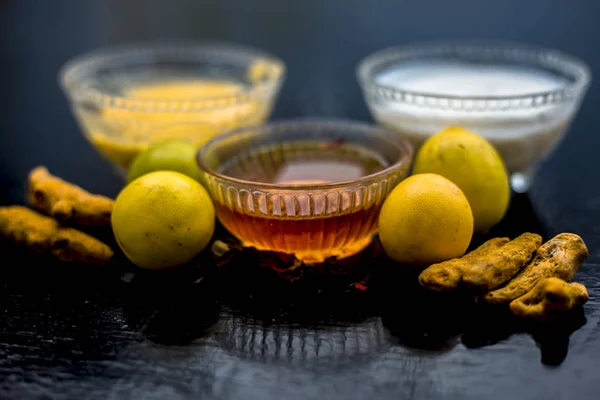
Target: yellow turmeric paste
122	133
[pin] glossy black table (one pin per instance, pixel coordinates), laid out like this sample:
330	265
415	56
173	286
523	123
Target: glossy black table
117	332
242	333
245	332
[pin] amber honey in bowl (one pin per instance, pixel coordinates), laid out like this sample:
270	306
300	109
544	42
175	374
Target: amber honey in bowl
311	188
311	236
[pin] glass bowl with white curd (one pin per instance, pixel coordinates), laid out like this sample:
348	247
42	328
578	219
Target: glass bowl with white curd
521	98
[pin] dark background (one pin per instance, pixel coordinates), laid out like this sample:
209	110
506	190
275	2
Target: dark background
95	339
320	40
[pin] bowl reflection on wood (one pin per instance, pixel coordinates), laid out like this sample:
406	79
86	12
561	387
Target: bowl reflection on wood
311	187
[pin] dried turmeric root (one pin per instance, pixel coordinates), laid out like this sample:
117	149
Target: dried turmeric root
44	235
447	276
502	264
549	298
559	257
66	202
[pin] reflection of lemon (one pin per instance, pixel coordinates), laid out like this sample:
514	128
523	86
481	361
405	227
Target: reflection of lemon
163	219
171	155
473	164
425	219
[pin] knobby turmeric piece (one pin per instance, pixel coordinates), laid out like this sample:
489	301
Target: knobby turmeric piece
44	235
447	276
549	298
66	202
502	264
559	257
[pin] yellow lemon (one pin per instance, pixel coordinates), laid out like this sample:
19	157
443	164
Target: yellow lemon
163	219
425	219
475	166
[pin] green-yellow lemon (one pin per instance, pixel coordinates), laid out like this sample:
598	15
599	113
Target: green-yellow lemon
168	155
475	166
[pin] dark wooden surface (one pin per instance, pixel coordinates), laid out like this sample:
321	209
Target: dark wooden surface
118	333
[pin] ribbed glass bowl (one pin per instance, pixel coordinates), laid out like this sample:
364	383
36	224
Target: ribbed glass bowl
525	120
273	189
114	95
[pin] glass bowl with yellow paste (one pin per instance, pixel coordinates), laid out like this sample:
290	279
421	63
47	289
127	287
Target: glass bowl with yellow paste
127	97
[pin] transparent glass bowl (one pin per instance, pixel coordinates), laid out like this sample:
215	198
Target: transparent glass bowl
307	213
524	121
129	96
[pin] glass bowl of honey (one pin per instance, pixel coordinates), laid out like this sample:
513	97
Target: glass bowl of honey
310	187
127	97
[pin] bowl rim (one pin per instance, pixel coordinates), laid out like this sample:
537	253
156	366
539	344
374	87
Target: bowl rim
80	90
560	60
406	149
